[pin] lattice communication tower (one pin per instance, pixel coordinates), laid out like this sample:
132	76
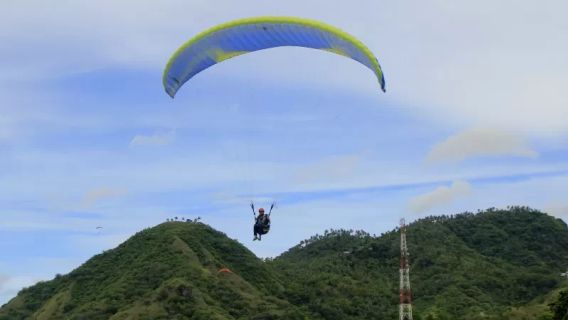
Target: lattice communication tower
405	307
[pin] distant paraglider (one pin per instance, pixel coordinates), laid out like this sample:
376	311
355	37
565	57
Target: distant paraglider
239	37
224	270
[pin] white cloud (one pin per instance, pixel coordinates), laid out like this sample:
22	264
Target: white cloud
468	63
154	140
475	63
477	142
439	197
331	169
84	36
96	195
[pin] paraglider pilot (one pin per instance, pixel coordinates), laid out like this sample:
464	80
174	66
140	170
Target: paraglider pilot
261	223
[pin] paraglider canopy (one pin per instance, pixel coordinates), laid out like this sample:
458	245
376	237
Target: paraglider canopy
224	270
238	37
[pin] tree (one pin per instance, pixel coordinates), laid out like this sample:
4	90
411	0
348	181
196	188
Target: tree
559	308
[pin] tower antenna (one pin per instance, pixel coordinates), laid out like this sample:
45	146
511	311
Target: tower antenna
405	307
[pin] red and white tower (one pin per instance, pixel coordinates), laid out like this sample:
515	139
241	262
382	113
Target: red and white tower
405	308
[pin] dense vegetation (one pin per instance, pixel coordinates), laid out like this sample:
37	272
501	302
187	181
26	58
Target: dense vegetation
167	272
496	264
560	306
467	266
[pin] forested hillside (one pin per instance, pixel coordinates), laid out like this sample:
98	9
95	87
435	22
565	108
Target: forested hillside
495	264
171	271
466	266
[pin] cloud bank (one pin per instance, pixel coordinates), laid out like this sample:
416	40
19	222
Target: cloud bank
480	142
154	140
96	195
331	169
439	197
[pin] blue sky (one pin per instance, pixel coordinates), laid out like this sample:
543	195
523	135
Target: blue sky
475	116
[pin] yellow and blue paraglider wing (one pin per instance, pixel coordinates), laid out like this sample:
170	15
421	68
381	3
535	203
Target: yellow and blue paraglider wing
247	35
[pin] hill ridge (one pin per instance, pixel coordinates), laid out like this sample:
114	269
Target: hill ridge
464	266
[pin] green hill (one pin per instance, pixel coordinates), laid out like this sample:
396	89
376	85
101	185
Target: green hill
462	267
539	308
167	272
496	264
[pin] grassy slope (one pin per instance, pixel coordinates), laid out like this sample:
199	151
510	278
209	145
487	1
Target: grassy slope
170	270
